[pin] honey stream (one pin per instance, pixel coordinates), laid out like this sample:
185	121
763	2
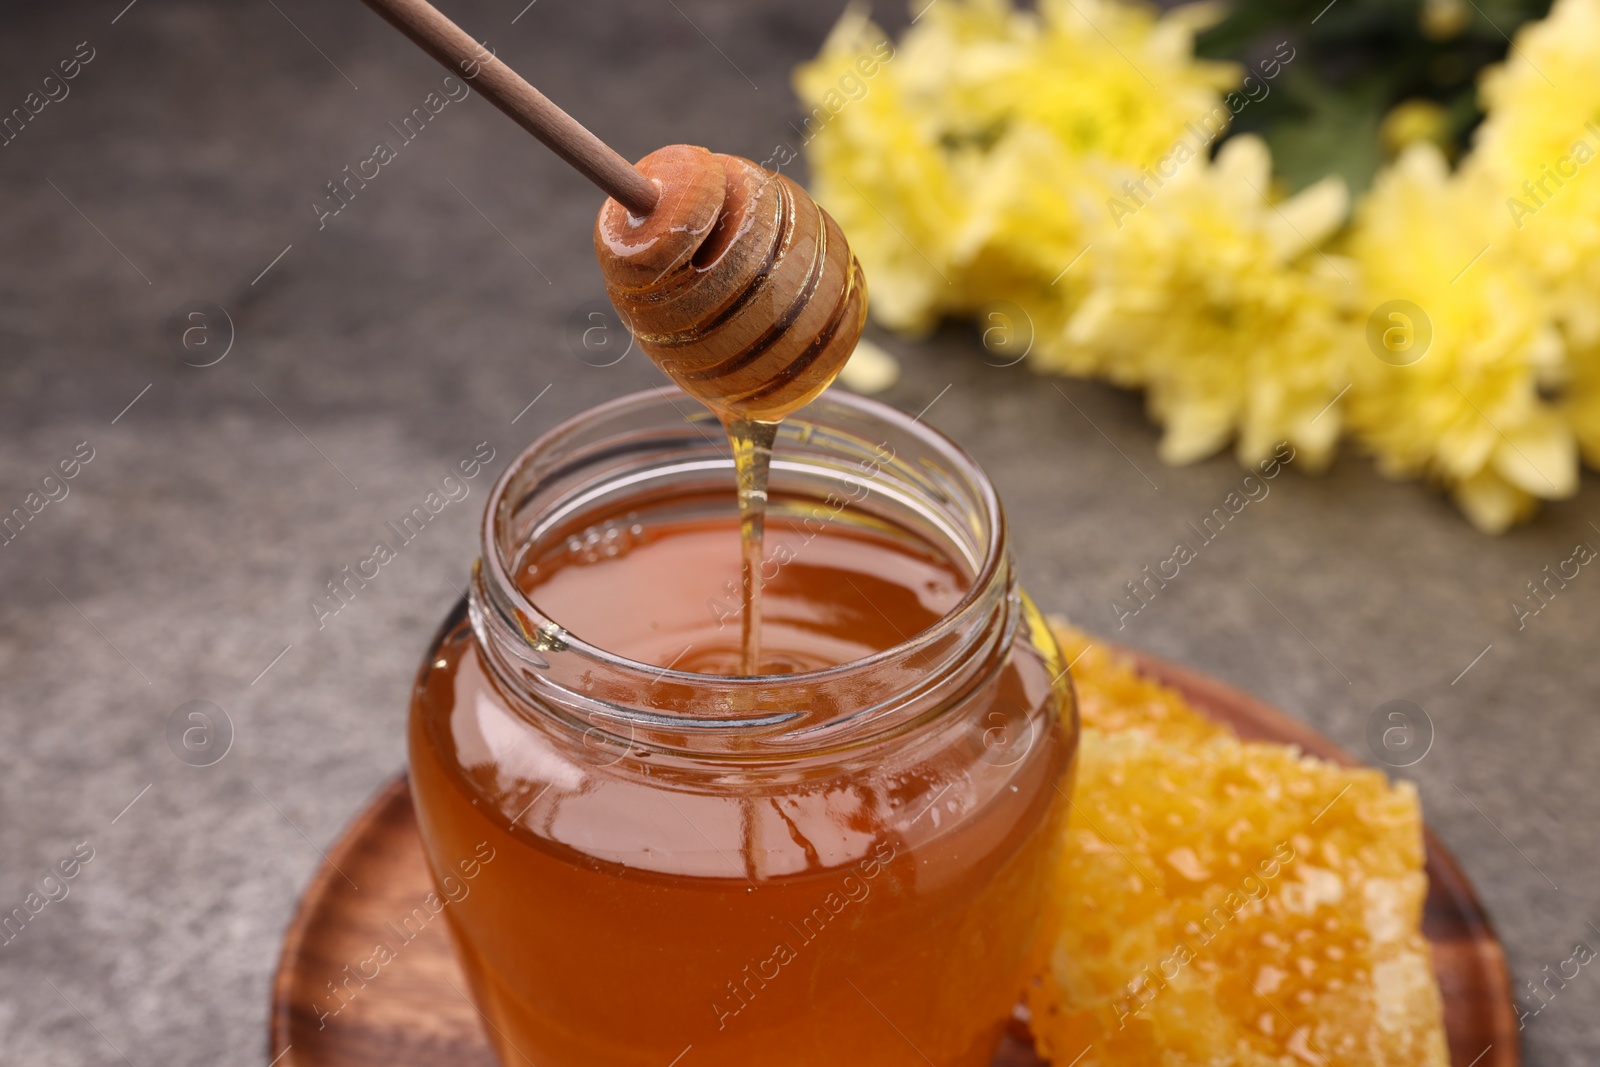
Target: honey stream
752	461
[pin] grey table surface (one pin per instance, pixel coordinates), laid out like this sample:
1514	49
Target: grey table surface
373	353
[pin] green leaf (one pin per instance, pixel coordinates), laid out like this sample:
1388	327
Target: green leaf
1329	132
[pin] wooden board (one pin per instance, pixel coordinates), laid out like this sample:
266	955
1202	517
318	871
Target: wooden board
416	1013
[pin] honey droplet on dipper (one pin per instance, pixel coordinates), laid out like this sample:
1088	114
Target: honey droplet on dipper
738	285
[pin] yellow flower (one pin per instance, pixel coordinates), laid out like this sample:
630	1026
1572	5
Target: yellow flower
1542	136
868	157
960	167
1468	412
1581	408
991	153
1410	121
1540	146
1217	302
1059	160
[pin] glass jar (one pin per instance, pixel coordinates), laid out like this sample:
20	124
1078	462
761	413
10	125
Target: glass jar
847	864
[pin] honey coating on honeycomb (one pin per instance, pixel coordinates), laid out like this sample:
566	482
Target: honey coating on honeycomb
1222	902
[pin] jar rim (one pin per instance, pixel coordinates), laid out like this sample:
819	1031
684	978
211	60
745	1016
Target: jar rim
500	556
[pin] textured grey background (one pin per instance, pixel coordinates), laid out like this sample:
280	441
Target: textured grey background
185	556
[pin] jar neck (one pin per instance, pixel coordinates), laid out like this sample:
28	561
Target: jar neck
841	459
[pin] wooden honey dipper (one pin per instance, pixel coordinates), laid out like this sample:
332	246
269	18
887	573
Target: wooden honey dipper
738	285
732	279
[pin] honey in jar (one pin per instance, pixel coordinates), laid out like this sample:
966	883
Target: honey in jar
842	859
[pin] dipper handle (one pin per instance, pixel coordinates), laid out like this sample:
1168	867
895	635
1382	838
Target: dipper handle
533	111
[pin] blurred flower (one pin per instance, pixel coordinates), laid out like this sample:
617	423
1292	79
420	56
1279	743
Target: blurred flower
1218	303
1582	405
869	369
871	152
1411	121
1543	98
1539	146
1000	146
964	170
1056	165
1468	413
1444	19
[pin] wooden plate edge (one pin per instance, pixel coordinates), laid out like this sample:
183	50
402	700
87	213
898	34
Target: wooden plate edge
395	790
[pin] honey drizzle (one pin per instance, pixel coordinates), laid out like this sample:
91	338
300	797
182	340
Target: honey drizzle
752	441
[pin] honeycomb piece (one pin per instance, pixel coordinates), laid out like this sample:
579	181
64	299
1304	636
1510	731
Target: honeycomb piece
1112	696
1229	903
